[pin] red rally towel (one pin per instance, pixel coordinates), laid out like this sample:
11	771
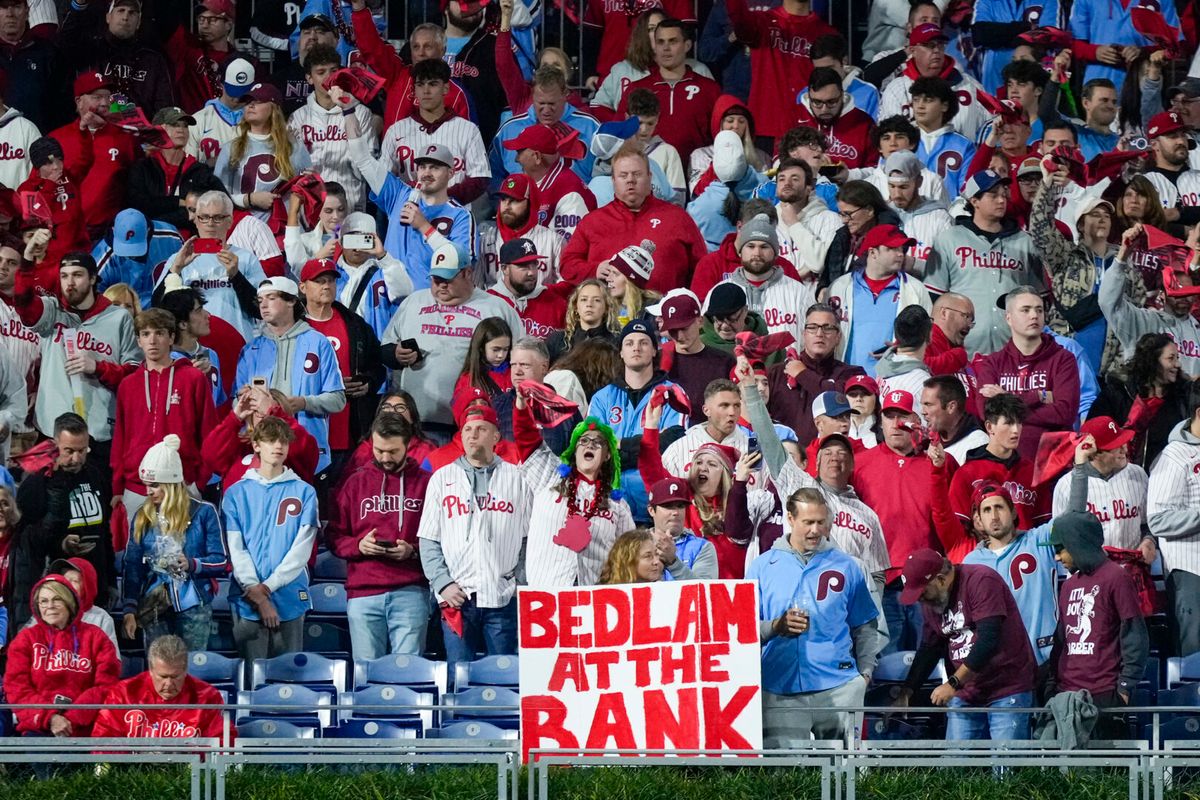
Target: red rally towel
548	409
760	348
1056	453
360	84
1131	561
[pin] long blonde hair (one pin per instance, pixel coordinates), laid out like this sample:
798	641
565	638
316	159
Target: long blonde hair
621	565
281	144
712	519
176	509
611	308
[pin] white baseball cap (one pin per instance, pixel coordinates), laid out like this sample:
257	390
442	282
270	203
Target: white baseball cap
279	284
239	77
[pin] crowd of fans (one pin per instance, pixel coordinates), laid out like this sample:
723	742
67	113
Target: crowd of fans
907	342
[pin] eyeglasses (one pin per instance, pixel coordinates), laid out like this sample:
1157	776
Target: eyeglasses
591	441
825	329
969	315
393	408
849	215
1032	178
211	219
53	601
815	103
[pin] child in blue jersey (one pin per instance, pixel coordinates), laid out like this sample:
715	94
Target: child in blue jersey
942	149
817	627
295	359
270	524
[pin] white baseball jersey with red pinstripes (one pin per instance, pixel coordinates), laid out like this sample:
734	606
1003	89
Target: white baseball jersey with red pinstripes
406	137
1118	501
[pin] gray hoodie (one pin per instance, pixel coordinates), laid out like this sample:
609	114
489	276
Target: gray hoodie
1131	323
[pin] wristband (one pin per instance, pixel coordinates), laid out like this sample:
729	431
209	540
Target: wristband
954	682
347	111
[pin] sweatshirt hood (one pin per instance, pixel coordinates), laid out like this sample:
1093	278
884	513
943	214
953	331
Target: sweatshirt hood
726	103
783	543
293	332
1047	349
893	364
926	207
53	578
87	595
1008	227
10	115
1081	535
1180	433
286	475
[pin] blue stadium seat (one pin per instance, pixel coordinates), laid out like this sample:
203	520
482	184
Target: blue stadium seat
502	706
302	706
220	603
414	672
1180	728
397	704
370	729
487	671
1182	670
1187	694
306	669
471	730
132	665
223	673
329	567
893	668
328	599
274	729
328	637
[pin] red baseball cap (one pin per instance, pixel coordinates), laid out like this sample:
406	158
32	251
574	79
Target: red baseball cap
885	236
920	568
464	399
1163	123
467	6
865	382
264	93
1106	432
679	311
88	82
222	8
988	489
670	490
898	399
316	267
536	137
516	186
478	411
925	33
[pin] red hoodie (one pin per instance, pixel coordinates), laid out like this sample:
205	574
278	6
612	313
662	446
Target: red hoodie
724	105
152	404
390	504
227	454
1014	473
66	216
849	138
60	668
98	162
160	723
606	230
1050	368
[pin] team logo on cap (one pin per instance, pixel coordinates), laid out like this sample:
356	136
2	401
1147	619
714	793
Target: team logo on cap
129	235
1112	426
242	77
527	247
674	487
312	363
894	397
439	257
510	184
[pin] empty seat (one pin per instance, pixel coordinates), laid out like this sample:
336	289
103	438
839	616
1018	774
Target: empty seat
487	671
329	567
414	672
315	671
222	672
470	730
328	599
1180	728
132	665
296	704
500	705
220	635
274	729
370	729
397	704
327	636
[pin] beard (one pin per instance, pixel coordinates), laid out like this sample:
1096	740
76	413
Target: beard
514	220
467	23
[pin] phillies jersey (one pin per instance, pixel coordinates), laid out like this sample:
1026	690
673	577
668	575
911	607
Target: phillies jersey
408	136
16	134
564	200
780	300
152	721
1118	501
970	117
322	132
208	275
450	220
378	302
848	138
98	162
257	171
922	225
551	560
948	154
543	311
1027	565
215	128
270	527
547	243
1183	191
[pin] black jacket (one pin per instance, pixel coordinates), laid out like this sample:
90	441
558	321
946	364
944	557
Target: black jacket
1116	399
148	189
136	68
364	365
33	70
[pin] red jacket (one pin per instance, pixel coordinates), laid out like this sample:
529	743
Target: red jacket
227	454
1050	368
160	723
718	265
849	138
75	665
66	215
1014	474
606	230
941	357
779	43
98	162
150	405
685	108
390	504
383	60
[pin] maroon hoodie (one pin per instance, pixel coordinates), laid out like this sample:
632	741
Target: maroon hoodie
1050	368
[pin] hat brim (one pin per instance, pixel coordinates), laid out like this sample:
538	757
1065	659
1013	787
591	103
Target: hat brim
840	438
1122	438
445	274
437	161
332	272
677	324
941	37
529	258
912	591
131	249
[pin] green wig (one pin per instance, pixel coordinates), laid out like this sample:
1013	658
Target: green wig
614	451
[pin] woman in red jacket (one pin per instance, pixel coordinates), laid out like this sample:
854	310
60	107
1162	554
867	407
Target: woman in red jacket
61	662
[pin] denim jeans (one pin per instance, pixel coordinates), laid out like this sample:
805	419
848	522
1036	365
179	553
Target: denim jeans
389	623
193	626
904	623
998	727
493	630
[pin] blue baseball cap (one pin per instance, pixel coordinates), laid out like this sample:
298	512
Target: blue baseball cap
984	181
830	404
448	260
611	135
130	234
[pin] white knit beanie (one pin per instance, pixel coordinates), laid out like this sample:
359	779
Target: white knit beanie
161	463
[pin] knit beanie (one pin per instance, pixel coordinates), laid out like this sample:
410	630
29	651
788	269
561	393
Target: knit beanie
636	262
161	463
758	229
42	149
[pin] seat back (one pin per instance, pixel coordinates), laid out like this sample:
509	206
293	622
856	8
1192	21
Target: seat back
328	598
329	567
327	636
471	730
294	703
397	704
370	729
403	670
307	669
501	706
487	671
273	729
221	671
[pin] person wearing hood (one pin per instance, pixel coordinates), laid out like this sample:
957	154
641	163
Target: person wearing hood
374	528
770	291
228	452
517	204
985	257
729	114
928	59
971	618
945	411
289	355
104	349
60	662
1035	368
1173	509
270	526
81	576
164	396
819	647
862	393
902	366
1130	322
174	555
869	300
57	227
611	137
922	219
1101	643
110	43
848	130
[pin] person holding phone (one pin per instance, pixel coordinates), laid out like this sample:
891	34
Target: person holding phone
373	526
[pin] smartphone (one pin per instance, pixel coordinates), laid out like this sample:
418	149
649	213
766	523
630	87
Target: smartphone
752	447
260	383
201	246
411	344
388	545
358	241
831	170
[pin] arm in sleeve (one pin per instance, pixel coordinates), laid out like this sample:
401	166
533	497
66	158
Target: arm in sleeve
1056	253
339	535
213	562
649	460
705	565
987	643
738	525
516	88
359	149
746	26
1063	410
1078	497
950	531
1135	648
923	663
1169	517
296	558
1151	97
379	55
247	294
433	564
244	571
868	641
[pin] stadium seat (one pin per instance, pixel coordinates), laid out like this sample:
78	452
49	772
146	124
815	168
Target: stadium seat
329	567
487	671
274	729
302	706
1180	728
132	665
893	668
220	637
370	729
328	599
471	730
317	672
397	704
327	637
223	673
414	672
1187	694
502	706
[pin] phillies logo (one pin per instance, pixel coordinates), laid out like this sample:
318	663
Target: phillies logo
848	522
129	234
140	727
84	341
842	150
288	507
690	92
10	153
830	581
1033	14
59	660
994	259
777	318
335	343
1022	565
655	222
312	363
211	148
